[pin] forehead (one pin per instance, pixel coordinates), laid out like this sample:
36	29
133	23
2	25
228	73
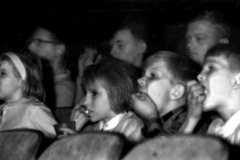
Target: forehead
123	35
157	64
6	65
42	34
218	60
95	84
202	27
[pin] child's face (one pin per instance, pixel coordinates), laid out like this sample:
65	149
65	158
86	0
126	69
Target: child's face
42	45
201	35
10	85
217	78
97	102
125	46
156	82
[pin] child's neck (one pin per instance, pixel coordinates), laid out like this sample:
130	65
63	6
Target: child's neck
109	118
13	100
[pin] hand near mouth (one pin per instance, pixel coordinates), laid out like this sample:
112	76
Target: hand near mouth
144	106
80	116
195	99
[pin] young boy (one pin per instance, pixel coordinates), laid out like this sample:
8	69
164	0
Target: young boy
220	78
161	98
130	42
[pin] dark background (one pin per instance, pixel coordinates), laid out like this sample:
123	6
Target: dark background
97	19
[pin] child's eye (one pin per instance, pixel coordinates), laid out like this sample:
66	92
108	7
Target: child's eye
153	76
120	46
2	73
200	38
94	93
210	69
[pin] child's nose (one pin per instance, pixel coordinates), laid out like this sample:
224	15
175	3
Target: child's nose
141	81
190	43
85	101
201	77
113	50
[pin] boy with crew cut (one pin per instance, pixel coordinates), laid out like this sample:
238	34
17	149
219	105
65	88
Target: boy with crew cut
161	100
220	92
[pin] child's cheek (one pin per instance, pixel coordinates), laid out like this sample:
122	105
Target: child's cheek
155	91
218	91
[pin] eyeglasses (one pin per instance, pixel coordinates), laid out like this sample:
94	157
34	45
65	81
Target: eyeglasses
41	41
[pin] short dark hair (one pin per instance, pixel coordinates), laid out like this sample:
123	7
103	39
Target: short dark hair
33	84
138	26
180	67
118	79
230	51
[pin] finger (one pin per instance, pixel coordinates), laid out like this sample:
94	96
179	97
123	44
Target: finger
130	129
201	98
191	83
67	130
141	95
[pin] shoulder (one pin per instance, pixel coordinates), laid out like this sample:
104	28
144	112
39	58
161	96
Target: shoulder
131	119
34	104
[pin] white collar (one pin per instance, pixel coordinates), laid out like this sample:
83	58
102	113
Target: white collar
229	127
111	124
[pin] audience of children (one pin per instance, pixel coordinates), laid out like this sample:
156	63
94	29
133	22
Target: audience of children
109	95
22	92
162	92
48	46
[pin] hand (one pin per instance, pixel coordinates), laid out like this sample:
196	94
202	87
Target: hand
65	131
79	116
195	99
132	129
144	106
87	58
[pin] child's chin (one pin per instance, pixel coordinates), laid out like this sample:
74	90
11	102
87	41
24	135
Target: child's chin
208	106
93	119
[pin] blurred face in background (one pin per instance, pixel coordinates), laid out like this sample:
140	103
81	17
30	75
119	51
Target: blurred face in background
201	35
42	44
126	47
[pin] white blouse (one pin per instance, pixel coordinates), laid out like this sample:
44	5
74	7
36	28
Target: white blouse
27	113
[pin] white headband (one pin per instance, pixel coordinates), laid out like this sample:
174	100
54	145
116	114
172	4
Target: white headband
18	64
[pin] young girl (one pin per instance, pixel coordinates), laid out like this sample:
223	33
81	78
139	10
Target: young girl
107	86
22	91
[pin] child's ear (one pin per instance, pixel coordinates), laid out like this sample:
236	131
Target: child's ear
142	46
236	83
177	92
224	41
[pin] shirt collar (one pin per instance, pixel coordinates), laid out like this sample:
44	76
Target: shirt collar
230	126
111	124
173	112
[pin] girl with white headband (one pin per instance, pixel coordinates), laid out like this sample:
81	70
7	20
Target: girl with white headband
22	92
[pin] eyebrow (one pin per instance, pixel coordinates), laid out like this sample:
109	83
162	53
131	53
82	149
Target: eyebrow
214	61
